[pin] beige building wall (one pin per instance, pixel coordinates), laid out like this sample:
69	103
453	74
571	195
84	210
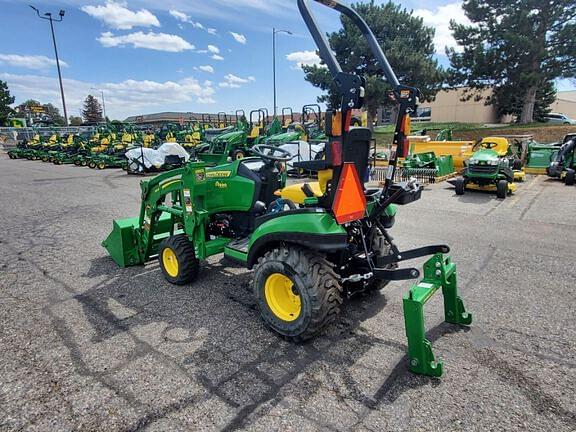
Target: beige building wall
565	103
447	107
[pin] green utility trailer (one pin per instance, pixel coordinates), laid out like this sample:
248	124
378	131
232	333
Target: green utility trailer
311	245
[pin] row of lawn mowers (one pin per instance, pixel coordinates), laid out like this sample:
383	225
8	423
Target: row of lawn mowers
147	150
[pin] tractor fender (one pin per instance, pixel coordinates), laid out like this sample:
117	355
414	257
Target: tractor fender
310	228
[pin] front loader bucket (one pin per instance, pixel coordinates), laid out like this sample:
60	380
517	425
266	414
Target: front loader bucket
122	243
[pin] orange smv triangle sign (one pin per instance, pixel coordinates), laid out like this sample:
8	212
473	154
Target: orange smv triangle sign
349	202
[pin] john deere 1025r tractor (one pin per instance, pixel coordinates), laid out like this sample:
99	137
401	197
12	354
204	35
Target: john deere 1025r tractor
311	245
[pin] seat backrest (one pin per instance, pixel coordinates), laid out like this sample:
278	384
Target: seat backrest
357	149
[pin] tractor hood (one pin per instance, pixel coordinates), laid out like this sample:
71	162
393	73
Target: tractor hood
236	136
484	155
285	137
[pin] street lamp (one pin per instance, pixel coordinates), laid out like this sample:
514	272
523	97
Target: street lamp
274	33
103	103
48	16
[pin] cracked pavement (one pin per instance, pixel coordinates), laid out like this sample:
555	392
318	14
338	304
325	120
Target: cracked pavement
88	346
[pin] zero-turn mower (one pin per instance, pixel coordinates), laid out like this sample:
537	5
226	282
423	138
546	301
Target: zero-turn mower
311	245
564	164
491	167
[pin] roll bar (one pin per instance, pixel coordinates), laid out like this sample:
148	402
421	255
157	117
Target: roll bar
351	88
324	47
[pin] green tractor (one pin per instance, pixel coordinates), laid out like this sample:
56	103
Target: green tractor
310	252
564	164
491	167
308	129
235	144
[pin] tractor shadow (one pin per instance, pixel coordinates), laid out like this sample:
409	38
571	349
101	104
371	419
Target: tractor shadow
239	360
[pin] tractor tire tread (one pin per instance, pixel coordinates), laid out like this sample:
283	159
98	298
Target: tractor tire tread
320	280
189	265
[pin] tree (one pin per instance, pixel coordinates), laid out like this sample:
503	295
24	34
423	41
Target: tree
405	40
92	111
75	121
516	47
53	115
5	101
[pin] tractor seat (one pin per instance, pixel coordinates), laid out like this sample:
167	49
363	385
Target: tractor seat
298	192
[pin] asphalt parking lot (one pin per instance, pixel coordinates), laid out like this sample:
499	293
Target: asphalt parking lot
87	346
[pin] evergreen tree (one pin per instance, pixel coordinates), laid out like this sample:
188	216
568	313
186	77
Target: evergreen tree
405	40
5	101
92	111
75	121
518	48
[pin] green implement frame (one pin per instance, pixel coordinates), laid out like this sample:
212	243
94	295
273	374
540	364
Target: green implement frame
439	272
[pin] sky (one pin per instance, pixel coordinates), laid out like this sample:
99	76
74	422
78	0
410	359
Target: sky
150	56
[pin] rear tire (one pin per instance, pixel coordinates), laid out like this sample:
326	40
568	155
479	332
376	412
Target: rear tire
237	155
297	292
517	165
101	165
569	179
460	186
178	260
502	189
92	165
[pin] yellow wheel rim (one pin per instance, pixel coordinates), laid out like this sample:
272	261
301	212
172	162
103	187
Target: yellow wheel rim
280	297
170	262
101	165
239	155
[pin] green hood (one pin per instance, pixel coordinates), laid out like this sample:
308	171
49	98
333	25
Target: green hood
485	155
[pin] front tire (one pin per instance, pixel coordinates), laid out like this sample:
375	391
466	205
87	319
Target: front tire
502	189
297	292
178	260
569	179
460	186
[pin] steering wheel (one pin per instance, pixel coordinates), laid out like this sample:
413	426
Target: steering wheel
260	150
488	145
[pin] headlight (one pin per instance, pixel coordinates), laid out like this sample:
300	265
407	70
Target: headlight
472	161
493	162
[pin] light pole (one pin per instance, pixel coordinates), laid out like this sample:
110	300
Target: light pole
103	103
274	33
48	16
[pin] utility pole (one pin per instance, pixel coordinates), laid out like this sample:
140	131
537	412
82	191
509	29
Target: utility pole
274	33
48	16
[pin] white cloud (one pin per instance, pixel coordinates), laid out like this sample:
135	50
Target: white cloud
304	58
213	49
205	68
217	57
150	40
240	38
182	17
206	100
233	81
129	97
439	19
29	61
118	16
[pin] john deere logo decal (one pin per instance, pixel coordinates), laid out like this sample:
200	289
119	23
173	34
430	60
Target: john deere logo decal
213	174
